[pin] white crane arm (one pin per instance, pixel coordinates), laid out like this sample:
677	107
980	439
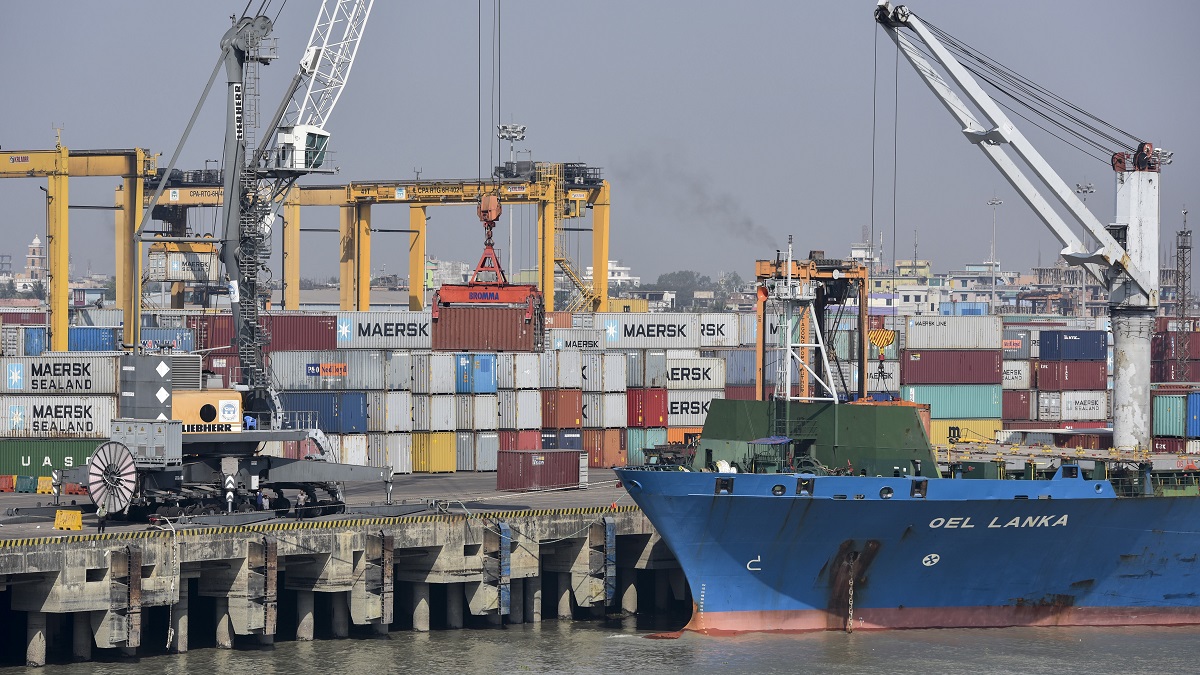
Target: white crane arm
327	60
1107	262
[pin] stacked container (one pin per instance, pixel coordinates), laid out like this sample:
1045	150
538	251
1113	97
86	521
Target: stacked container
1072	377
955	364
1175	350
605	412
518	379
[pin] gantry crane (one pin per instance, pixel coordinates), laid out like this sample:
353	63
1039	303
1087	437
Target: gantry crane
1126	262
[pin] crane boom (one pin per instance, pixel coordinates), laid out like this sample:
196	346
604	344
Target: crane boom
1126	262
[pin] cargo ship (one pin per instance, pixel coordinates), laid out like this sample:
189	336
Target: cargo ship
836	517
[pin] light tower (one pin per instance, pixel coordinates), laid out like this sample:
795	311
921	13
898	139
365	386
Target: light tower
511	133
993	202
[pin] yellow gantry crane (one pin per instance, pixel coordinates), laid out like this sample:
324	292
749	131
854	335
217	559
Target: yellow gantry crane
58	166
561	192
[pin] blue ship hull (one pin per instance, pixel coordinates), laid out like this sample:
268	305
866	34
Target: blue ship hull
796	552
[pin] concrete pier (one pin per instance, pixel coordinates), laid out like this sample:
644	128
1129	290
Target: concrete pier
100	588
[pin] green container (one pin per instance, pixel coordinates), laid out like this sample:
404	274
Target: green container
38	457
954	401
1170	416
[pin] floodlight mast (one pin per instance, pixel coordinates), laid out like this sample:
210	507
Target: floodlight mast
1128	269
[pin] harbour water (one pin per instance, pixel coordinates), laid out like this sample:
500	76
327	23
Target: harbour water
622	647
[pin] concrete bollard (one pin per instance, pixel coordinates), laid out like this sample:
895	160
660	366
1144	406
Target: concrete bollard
420	606
533	599
35	644
628	585
304	616
564	595
224	625
179	622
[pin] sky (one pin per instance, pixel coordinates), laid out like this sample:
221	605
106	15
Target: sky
722	127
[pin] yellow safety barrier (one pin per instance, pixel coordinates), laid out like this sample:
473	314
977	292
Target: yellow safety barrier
67	519
45	485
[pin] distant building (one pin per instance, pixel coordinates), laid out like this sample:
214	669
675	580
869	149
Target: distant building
618	275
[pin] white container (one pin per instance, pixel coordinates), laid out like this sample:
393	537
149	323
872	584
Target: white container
432	374
485	413
399	413
954	332
518	371
1192	448
570	369
614	370
335	446
341	370
549	369
1073	406
695	373
719	330
520	410
487	449
1021	437
689	407
376	411
1016	375
394	450
635	368
747	328
464	411
433	412
271	449
399	371
649	331
57	416
593	371
605	411
676	354
655	363
464	451
574	338
61	373
845	377
354	449
384	330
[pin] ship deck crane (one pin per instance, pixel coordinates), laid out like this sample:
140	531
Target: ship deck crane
1126	261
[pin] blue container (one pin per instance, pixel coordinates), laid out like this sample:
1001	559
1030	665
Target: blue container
1193	415
464	371
93	339
337	412
739	366
569	439
964	309
35	340
179	339
1073	345
483	379
549	439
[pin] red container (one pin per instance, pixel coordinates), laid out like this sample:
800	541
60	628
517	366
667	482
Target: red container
1018	404
300	332
1024	425
562	408
536	469
951	366
521	440
648	407
214	332
1093	424
487	329
1163	324
739	392
300	449
559	320
1072	375
1174	446
1170	346
23	318
1085	441
605	448
225	364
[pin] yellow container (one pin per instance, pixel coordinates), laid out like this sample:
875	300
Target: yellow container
965	430
433	452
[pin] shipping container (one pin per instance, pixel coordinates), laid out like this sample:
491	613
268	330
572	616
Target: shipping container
487	445
689	407
299	332
433	452
226	369
353	449
93	338
951	366
562	408
432	373
394	450
683	434
1019	404
637	441
1018	344
747	328
739	392
520	410
485	412
1173	446
548	369
464	450
559	319
635	367
968	430
398	376
956	401
347	370
34	340
604	371
1018	375
376	411
605	411
569	439
488	329
1193	415
178	339
882	377
389	411
336	412
654	362
649	331
434	412
518	371
719	330
475	373
605	448
1070	406
1073	345
575	338
529	439
646	407
1066	375
17	317
57	416
953	332
1008	436
522	470
21	457
698	373
739	366
569	369
384	330
1172	371
1172	346
61	373
549	439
